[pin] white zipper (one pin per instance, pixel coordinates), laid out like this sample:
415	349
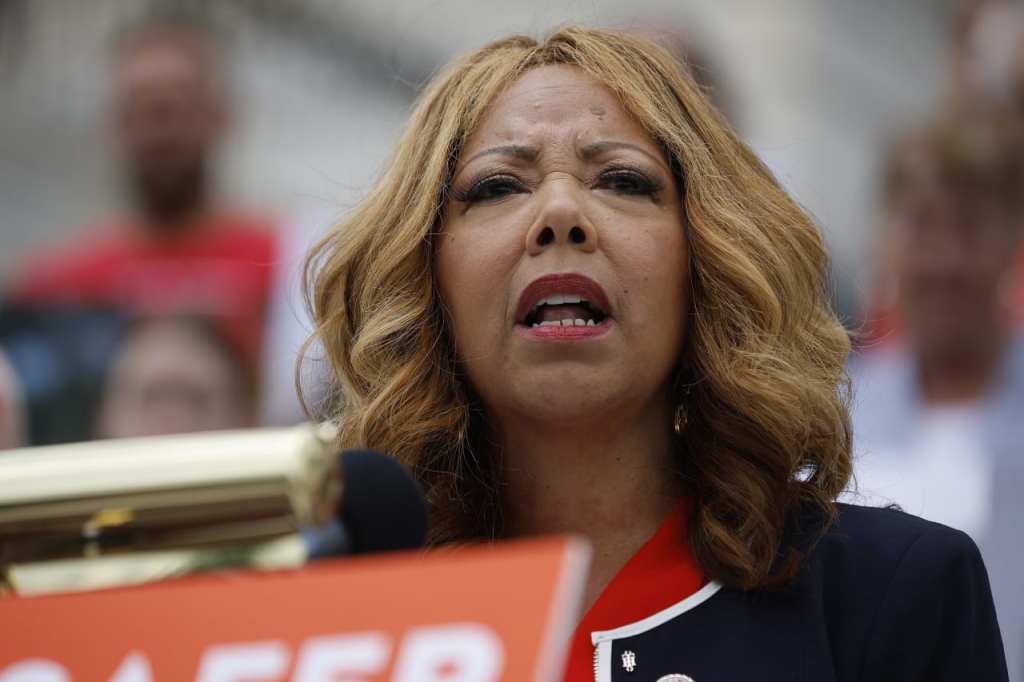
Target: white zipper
603	661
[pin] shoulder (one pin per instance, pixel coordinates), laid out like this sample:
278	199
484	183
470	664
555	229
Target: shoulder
240	238
890	532
243	228
899	591
866	548
883	595
54	269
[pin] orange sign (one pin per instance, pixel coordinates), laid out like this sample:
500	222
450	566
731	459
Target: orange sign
471	615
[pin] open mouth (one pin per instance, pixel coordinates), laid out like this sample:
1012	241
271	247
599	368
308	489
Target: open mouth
563	300
565	310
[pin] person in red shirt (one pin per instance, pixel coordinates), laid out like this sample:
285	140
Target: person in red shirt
177	251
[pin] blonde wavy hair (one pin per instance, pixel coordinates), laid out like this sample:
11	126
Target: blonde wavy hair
768	433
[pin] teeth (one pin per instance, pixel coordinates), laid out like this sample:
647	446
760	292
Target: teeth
565	323
559	299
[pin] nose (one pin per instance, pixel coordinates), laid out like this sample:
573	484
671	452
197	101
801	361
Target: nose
561	220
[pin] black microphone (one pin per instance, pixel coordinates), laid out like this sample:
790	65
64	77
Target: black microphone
382	509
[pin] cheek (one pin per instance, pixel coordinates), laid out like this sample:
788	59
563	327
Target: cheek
655	264
474	267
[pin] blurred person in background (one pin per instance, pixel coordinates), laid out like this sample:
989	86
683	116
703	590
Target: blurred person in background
59	355
939	413
178	250
984	77
988	72
11	407
175	375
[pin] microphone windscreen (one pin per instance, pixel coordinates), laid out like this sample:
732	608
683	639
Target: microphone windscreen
382	506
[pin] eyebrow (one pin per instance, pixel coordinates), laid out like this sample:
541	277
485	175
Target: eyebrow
587	153
517	150
598	148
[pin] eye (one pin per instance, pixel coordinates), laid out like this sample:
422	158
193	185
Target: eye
628	181
490	188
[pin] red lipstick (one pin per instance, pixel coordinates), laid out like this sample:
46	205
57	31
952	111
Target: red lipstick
554	293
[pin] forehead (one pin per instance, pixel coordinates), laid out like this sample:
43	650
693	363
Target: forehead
161	60
946	194
553	100
160	346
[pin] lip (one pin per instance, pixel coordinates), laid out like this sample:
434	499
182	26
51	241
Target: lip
563	283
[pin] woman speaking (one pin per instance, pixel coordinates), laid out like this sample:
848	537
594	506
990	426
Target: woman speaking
576	302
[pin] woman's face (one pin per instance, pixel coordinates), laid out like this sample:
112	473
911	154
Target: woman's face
562	259
170	378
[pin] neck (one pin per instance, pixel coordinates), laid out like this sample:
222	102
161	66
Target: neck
172	210
170	221
963	376
613	484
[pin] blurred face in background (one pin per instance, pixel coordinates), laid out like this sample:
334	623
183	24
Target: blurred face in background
951	250
168	119
173	376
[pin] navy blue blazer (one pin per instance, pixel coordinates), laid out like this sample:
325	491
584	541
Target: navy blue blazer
882	597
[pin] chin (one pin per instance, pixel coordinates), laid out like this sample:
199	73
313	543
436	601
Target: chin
575	394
